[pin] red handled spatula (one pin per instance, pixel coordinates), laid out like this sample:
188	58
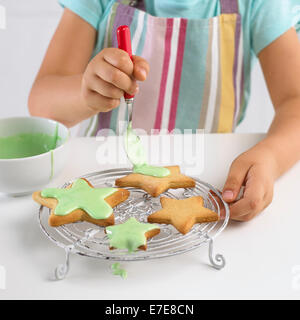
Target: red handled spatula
124	43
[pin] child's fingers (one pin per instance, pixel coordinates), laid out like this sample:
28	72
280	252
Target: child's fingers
140	68
240	218
245	209
104	88
235	179
254	200
119	59
98	102
118	78
251	215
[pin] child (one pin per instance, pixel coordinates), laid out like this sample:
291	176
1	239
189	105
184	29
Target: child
200	54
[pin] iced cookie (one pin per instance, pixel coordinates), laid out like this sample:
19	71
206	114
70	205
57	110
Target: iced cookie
154	185
131	235
81	202
183	214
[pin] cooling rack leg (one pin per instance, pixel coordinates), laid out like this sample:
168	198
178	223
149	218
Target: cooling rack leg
62	269
217	261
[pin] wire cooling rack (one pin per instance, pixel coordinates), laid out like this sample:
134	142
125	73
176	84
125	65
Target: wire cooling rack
89	240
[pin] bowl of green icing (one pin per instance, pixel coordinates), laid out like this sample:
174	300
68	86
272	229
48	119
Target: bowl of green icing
32	152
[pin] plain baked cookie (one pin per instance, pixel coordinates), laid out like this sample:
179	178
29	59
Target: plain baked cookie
183	214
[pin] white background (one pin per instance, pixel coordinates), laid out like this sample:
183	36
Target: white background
30	25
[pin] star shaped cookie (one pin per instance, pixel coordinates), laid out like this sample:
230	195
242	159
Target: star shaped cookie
131	235
154	185
183	214
81	202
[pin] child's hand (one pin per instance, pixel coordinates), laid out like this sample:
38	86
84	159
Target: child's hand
108	76
255	169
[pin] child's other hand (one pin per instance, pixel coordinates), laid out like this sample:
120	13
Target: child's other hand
108	76
256	171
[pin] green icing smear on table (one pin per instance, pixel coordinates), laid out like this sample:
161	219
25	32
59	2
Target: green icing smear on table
81	196
118	271
26	145
136	154
129	235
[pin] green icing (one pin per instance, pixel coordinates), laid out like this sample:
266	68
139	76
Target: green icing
129	235
149	170
136	155
27	145
81	196
134	148
118	271
55	137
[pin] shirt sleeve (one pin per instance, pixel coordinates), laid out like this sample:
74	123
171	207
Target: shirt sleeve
271	19
89	10
296	15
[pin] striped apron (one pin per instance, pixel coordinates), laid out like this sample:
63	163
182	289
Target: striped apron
196	70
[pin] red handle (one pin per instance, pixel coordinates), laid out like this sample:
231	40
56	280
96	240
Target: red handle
124	43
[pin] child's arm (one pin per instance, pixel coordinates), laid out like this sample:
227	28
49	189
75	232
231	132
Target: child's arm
71	88
259	167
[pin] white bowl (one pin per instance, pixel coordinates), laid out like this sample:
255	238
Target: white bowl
24	175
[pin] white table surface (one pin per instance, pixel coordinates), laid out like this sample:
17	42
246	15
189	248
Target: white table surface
263	255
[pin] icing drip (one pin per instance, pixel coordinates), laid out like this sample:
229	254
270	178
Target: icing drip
137	156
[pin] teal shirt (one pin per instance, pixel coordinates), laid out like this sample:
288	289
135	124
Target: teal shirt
263	21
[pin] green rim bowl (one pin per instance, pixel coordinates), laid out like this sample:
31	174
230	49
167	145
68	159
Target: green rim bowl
22	176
